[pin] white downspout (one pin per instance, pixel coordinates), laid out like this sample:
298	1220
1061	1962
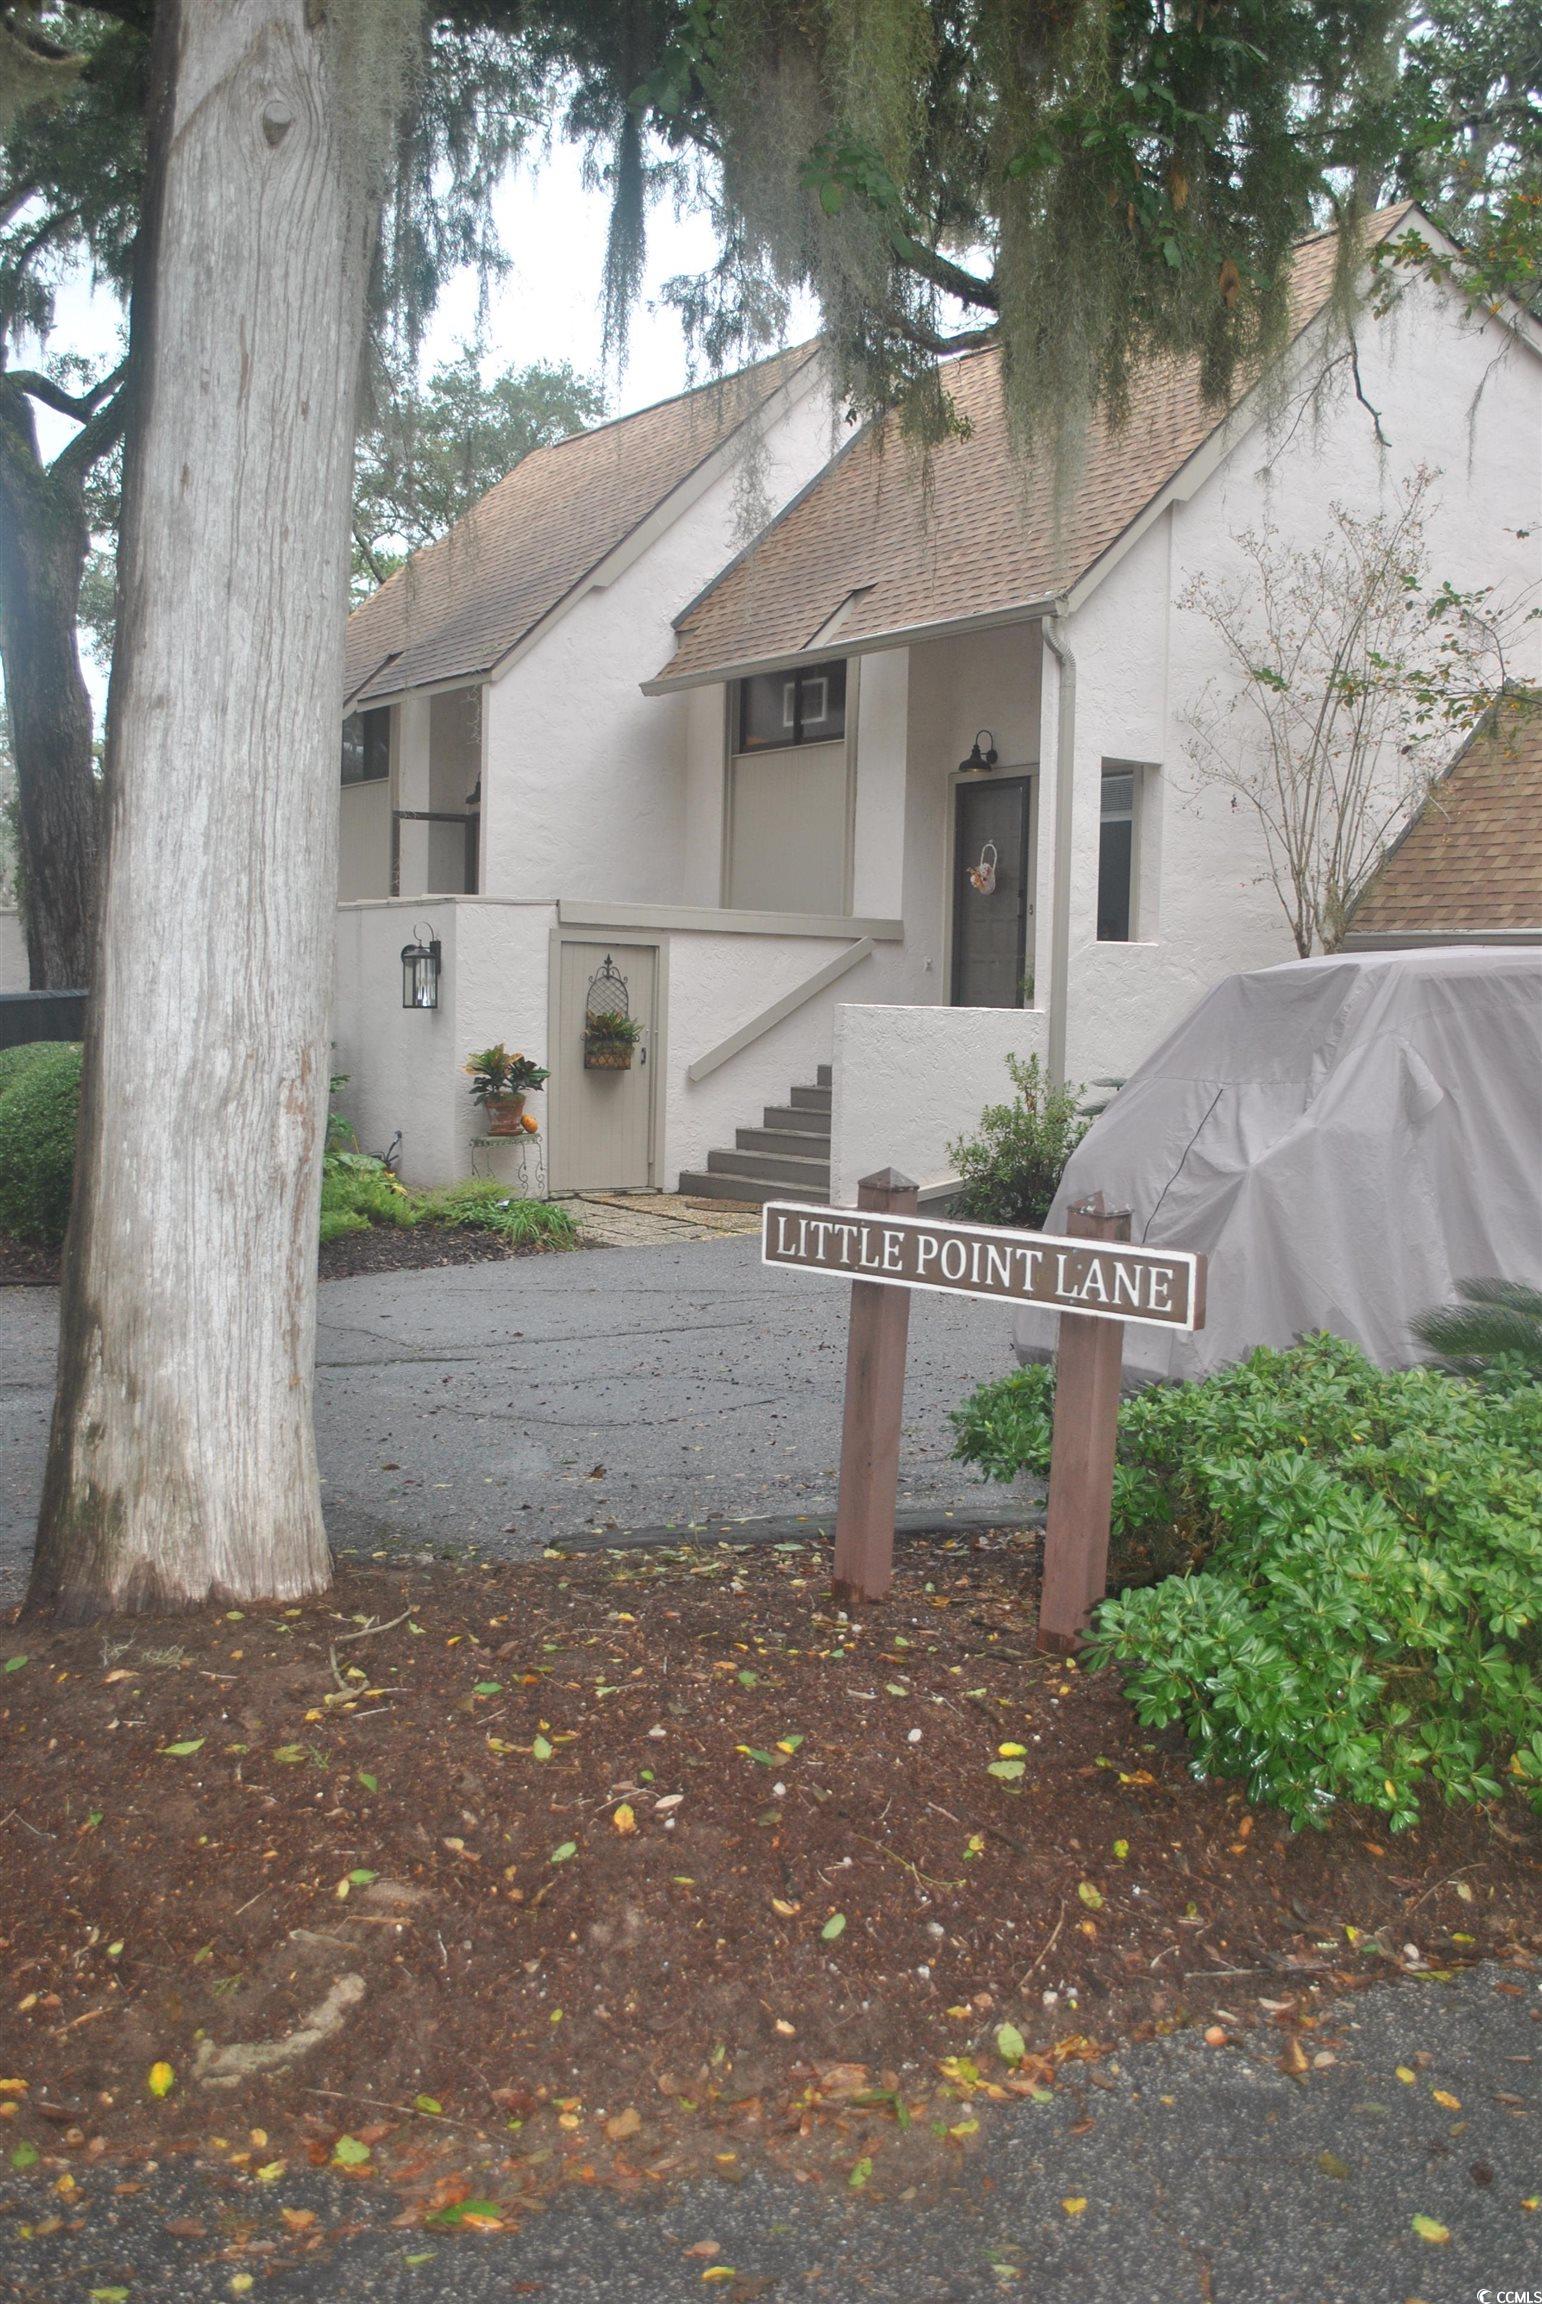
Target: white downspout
1060	884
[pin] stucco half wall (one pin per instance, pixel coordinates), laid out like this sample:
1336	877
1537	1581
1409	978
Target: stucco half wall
405	1065
908	1081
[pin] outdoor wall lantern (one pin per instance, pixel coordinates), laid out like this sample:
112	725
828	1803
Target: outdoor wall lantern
420	970
978	762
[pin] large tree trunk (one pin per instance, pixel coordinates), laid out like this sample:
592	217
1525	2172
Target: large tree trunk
43	541
182	1462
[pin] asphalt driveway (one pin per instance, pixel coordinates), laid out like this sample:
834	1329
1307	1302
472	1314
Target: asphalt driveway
512	1403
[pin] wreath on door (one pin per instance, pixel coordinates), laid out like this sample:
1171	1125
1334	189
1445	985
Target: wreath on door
982	876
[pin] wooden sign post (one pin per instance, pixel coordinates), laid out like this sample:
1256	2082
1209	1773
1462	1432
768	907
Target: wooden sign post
870	1425
1092	1276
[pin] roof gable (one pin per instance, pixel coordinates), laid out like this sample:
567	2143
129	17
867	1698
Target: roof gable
1471	860
983	536
457	608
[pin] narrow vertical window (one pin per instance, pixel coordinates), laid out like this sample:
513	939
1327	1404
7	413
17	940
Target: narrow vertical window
367	746
1116	856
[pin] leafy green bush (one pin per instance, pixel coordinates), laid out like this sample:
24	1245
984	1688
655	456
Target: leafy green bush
1012	1168
1360	1619
358	1191
15	1061
37	1143
481	1205
1495	1332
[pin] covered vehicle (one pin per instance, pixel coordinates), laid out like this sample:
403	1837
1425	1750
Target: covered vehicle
1344	1138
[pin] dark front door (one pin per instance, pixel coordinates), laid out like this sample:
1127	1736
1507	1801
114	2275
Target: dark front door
990	921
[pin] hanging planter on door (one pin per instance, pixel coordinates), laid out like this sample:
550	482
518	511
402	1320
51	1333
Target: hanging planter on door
611	1032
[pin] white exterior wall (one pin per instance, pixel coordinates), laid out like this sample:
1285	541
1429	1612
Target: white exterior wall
718	983
588	781
1452	398
405	1064
15	975
909	1081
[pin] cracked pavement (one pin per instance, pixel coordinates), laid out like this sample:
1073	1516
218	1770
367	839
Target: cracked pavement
508	1404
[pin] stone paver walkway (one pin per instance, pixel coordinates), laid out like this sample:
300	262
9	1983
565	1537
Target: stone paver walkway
648	1219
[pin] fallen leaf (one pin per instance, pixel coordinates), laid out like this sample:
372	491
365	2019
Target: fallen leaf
833	1927
561	1855
1428	2229
1008	1770
183	1751
624	2124
1075	2206
624	1818
1445	2097
1011	2047
1090	1896
348	2152
161	2079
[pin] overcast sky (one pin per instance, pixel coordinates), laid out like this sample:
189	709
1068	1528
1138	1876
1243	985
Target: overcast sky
548	308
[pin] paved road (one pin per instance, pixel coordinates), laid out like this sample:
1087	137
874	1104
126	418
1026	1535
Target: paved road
1208	2177
510	1403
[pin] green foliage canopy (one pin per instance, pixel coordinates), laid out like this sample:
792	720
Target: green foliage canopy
434	447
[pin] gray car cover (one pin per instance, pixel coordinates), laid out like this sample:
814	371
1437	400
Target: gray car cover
1343	1138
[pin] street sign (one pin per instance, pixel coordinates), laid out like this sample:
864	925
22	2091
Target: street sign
1093	1276
1159	1287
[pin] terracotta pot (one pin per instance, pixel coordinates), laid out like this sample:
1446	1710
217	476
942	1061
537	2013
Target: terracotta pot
503	1114
606	1057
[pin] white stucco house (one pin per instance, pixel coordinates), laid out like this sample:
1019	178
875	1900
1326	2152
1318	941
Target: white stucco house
893	790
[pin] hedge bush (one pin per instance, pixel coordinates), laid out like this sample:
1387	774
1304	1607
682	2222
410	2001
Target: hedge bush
38	1109
1358	1617
15	1061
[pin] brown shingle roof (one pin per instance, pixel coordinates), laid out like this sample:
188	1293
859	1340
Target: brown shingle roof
457	607
980	534
1471	860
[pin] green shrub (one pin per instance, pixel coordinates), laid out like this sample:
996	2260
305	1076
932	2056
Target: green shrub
482	1205
15	1061
353	1184
1012	1168
1360	1616
37	1143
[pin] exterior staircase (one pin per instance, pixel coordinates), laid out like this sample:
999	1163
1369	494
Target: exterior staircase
786	1158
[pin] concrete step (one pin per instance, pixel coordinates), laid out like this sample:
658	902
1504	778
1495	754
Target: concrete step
800	1116
719	1184
772	1168
825	1076
811	1099
799	1143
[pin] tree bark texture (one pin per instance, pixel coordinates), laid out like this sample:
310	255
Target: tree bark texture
43	542
182	1461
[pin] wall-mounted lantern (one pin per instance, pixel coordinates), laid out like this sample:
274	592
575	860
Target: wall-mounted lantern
978	762
420	970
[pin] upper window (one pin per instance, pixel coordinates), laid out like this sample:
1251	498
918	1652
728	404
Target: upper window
367	746
1116	856
779	708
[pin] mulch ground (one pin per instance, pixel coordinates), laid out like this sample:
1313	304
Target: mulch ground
474	1879
383	1248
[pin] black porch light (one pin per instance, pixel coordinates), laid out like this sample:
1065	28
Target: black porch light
420	970
978	762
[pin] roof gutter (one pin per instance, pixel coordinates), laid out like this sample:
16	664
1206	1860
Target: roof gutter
1060	886
837	648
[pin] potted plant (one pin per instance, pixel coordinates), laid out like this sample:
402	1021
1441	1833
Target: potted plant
500	1083
609	1039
